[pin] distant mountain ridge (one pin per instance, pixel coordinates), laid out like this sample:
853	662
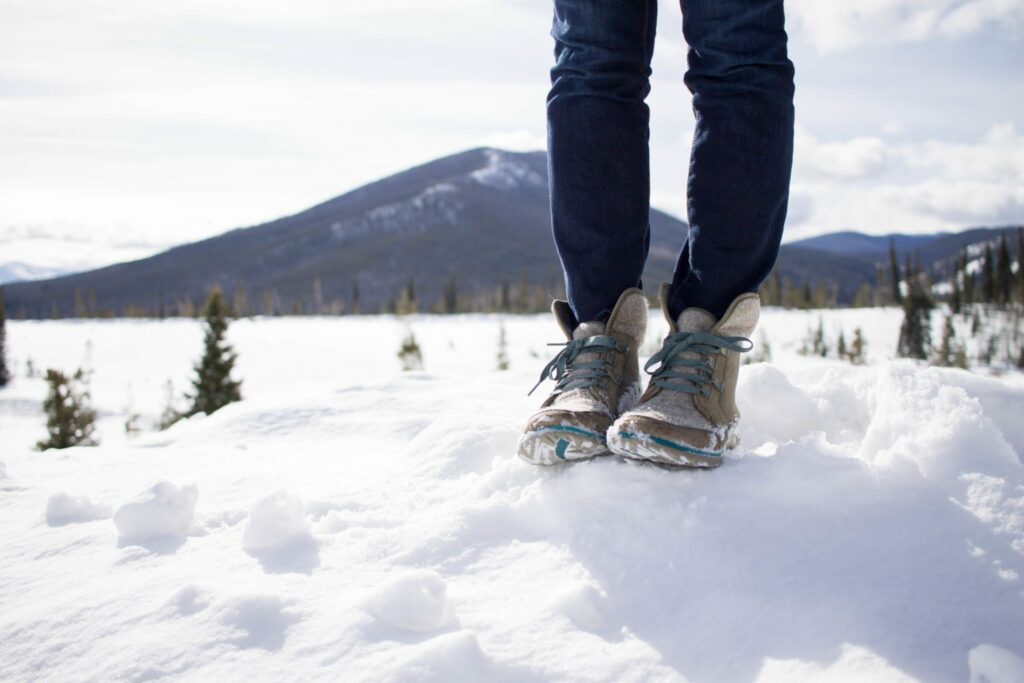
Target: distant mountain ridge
463	226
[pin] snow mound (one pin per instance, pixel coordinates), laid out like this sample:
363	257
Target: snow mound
274	520
871	526
162	510
65	508
416	600
991	664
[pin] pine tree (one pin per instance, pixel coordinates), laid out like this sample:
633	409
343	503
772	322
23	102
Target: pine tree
988	277
213	385
969	288
502	348
956	298
841	351
5	373
410	354
820	347
946	353
894	274
857	347
70	420
915	332
450	296
880	285
406	301
1004	273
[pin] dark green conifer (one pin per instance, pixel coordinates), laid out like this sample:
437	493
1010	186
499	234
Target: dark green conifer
1004	273
857	347
915	332
968	280
945	355
70	421
894	274
988	277
212	384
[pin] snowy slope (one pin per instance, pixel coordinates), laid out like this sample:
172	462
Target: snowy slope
351	522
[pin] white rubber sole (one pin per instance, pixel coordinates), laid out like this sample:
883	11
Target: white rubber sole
639	446
558	444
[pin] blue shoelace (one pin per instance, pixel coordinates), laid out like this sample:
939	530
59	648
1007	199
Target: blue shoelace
691	375
571	373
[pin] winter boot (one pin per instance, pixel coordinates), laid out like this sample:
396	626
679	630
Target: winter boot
688	416
596	377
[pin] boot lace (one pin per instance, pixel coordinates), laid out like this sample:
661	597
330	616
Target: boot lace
693	374
569	372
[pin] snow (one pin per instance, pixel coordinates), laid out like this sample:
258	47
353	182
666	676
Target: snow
415	600
276	519
351	521
65	508
162	510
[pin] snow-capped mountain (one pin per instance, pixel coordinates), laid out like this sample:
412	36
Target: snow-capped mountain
474	220
480	217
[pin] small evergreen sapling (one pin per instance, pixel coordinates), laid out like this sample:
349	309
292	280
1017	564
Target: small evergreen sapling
502	348
70	420
212	384
951	353
857	348
410	354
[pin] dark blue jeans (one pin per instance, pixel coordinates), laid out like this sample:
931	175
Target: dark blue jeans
741	79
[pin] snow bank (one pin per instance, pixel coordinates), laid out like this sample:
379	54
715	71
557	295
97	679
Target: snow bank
414	601
65	508
162	510
274	520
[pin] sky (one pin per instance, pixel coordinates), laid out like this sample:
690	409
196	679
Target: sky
129	127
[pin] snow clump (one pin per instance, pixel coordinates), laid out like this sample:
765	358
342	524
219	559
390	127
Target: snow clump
65	508
275	520
163	509
415	600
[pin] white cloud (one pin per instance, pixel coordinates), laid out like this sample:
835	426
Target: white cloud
521	140
925	186
860	157
835	26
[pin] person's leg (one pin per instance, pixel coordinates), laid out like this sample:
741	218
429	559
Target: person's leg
741	79
598	161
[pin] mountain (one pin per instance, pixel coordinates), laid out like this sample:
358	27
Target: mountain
472	221
480	217
16	271
848	243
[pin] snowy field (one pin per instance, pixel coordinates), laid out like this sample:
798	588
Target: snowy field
351	522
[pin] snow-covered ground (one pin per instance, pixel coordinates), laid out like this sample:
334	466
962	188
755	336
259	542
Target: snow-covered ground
348	521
